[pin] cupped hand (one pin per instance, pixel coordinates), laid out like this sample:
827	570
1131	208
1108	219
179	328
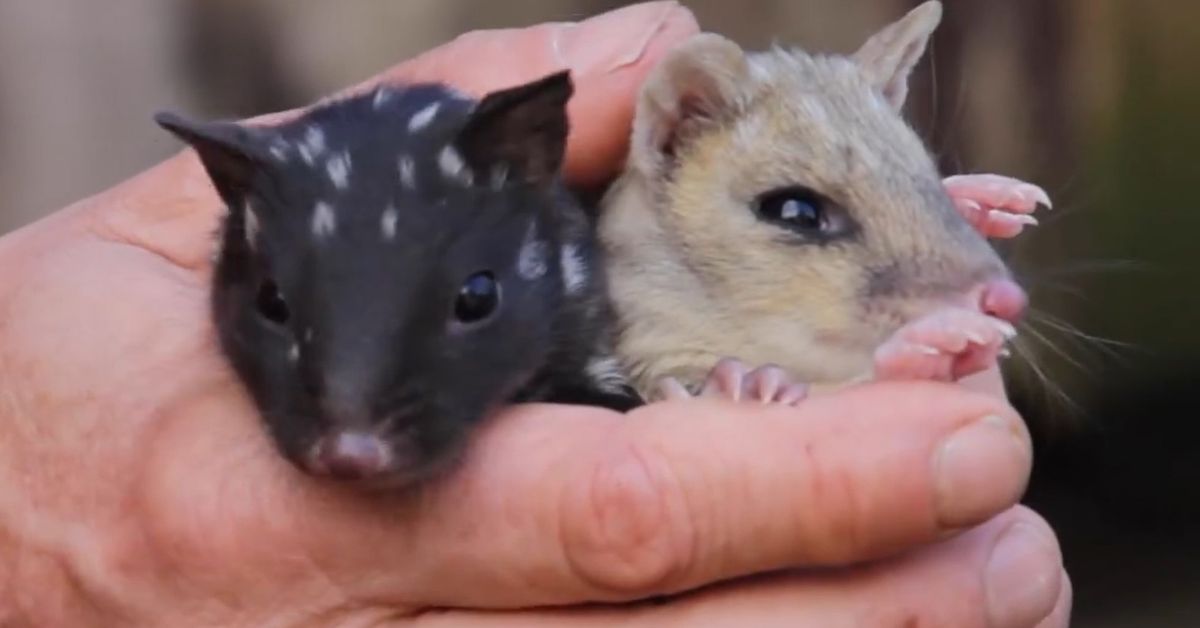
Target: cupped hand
137	488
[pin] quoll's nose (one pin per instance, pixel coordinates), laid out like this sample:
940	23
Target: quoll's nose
1003	299
349	455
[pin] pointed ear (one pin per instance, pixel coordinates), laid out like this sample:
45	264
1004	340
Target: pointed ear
520	133
889	56
227	151
701	82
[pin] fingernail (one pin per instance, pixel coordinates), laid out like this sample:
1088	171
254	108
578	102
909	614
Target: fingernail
979	470
1022	578
612	40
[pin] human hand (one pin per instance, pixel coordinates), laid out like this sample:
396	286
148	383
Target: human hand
137	488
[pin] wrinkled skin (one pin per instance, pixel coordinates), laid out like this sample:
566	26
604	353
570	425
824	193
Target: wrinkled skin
136	488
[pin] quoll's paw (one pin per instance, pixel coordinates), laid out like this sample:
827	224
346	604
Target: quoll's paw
946	345
734	380
997	206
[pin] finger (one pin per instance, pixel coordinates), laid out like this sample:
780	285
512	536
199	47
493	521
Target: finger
1005	574
1060	617
559	504
990	381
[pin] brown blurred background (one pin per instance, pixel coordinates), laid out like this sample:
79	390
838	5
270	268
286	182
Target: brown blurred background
1096	100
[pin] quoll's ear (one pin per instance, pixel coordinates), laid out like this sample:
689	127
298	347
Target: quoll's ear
227	151
889	56
520	133
700	82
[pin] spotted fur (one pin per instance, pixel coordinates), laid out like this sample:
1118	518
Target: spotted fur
367	238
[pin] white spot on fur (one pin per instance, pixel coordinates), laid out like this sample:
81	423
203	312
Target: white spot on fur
324	223
531	261
279	149
250	225
574	269
605	372
382	96
408	172
458	95
423	118
387	222
294	353
338	169
313	145
453	167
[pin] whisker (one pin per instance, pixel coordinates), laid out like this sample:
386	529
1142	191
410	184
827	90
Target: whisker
1089	266
1055	348
1057	286
1028	358
1063	326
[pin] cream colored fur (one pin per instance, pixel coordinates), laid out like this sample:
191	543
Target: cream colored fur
695	276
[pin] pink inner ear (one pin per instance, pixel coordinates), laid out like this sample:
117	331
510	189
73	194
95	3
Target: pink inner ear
690	111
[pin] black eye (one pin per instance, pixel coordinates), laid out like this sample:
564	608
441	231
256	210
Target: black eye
801	210
271	304
477	298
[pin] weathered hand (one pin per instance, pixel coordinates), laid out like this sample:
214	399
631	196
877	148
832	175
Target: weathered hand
137	488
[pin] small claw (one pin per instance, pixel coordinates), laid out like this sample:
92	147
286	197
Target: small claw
1004	352
976	338
970	204
726	380
1024	219
792	394
733	380
766	382
1006	329
927	350
998	191
1039	195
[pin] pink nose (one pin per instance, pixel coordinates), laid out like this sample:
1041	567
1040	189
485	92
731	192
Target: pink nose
1003	299
351	455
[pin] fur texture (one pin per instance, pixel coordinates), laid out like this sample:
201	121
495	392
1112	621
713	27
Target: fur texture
351	236
698	274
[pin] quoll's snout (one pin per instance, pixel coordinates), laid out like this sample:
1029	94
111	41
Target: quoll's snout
1001	298
350	455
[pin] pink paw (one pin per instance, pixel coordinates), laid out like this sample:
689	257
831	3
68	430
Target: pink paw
946	345
997	206
734	380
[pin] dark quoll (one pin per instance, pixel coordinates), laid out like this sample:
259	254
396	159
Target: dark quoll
395	265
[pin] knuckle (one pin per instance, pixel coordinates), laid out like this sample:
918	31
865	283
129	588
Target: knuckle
627	528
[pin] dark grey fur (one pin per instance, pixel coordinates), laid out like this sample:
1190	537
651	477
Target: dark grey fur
370	341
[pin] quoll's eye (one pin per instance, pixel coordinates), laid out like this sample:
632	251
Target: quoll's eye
270	303
478	297
799	209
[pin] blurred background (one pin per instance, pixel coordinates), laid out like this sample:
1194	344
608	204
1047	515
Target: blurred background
1096	100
